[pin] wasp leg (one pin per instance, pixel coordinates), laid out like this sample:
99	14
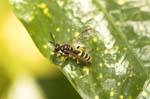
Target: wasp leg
77	61
58	54
63	58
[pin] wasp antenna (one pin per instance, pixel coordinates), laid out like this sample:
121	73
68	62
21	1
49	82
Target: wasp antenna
53	40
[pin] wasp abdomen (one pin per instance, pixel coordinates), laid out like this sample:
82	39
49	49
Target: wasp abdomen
84	56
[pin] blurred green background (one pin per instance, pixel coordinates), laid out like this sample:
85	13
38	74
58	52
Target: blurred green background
24	72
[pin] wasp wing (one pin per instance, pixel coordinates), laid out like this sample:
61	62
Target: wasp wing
83	35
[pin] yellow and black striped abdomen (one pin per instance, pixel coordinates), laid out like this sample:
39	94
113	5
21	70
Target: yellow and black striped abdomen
84	56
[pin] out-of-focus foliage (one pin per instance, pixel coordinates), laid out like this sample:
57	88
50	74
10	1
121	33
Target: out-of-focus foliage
119	42
23	70
4	81
58	88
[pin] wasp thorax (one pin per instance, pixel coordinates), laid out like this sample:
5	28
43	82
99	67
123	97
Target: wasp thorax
66	47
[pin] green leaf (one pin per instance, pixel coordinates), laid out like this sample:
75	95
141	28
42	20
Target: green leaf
119	43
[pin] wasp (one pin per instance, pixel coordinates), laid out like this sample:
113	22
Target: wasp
67	50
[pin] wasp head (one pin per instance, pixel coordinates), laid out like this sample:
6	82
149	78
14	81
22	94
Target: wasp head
57	47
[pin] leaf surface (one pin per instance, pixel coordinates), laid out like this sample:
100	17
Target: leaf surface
119	43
